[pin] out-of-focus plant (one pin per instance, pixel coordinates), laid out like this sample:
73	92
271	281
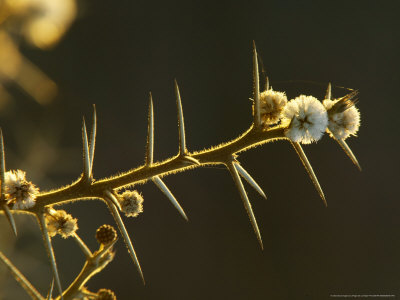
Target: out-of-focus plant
41	23
302	120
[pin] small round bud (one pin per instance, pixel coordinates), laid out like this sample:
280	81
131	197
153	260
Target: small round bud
104	294
131	203
106	234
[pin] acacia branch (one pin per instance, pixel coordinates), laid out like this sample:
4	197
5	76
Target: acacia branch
214	156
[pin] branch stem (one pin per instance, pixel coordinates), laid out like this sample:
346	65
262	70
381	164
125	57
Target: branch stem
214	156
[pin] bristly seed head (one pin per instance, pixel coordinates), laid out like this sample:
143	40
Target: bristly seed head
58	221
272	104
105	294
343	117
131	203
20	192
307	119
106	234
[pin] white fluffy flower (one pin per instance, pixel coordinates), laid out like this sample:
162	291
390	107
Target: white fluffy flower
131	203
19	191
343	118
58	221
272	104
307	119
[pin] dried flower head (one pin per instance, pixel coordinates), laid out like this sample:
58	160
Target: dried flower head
307	119
131	203
19	191
104	294
105	234
343	117
272	104
58	221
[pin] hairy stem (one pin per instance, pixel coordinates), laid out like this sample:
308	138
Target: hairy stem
216	155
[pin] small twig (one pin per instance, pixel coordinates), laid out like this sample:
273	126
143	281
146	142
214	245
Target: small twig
93	265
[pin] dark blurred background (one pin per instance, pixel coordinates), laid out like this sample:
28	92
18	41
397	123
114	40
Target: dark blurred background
117	51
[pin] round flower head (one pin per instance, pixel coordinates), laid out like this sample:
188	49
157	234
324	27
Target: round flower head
272	104
19	191
58	221
308	119
343	117
104	294
131	203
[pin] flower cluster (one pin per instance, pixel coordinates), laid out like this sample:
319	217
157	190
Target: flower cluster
58	221
306	118
131	203
19	192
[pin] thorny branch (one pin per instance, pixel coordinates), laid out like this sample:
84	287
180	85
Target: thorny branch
301	120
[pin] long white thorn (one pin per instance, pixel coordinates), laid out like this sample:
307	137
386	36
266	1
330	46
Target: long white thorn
86	155
348	152
10	218
161	185
266	83
256	88
150	134
309	169
50	293
50	252
249	179
93	139
4	206
181	124
125	236
246	202
342	142
113	199
2	167
328	94
191	160
21	279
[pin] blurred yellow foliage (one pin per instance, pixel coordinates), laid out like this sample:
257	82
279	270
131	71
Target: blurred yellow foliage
42	23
